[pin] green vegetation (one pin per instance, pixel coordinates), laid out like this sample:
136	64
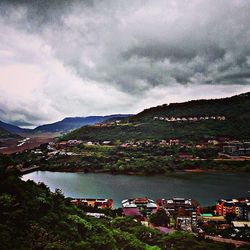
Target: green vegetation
135	159
160	218
32	217
142	126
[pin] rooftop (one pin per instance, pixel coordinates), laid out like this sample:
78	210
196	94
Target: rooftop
128	211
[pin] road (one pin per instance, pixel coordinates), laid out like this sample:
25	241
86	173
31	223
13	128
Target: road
28	170
237	243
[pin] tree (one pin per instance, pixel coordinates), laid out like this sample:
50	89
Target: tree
230	217
160	218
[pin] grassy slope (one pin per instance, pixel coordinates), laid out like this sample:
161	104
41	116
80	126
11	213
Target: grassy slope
142	126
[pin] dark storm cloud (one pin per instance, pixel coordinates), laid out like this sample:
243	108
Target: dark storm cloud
181	39
239	78
19	116
137	49
175	52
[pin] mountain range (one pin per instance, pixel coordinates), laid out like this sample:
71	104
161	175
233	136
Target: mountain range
72	123
13	128
65	125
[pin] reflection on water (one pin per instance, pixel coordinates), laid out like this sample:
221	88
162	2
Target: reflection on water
205	187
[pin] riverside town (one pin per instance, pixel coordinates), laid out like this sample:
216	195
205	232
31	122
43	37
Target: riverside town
228	219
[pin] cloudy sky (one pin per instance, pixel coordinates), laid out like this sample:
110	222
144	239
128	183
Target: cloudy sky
76	58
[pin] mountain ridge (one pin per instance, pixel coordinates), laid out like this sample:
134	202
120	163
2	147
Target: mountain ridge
66	124
236	110
70	123
188	104
13	128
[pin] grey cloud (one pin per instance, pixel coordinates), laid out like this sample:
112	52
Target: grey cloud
175	52
242	78
20	117
200	36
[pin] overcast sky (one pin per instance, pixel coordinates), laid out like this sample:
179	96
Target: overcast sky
77	58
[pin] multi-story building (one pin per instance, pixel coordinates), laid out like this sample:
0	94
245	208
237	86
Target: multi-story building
240	207
236	148
184	210
97	203
139	206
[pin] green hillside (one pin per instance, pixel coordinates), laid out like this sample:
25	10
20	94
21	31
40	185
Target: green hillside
236	110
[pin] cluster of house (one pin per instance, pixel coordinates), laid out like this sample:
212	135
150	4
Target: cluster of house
64	147
190	118
185	212
169	142
22	142
96	203
236	148
61	147
226	147
72	143
107	124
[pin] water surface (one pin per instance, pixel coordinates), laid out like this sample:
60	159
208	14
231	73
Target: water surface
205	187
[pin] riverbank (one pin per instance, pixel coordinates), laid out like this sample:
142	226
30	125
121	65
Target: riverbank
104	171
131	173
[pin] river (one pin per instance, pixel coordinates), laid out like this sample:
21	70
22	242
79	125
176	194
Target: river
205	187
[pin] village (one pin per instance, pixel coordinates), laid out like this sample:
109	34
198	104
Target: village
228	219
225	149
135	156
189	118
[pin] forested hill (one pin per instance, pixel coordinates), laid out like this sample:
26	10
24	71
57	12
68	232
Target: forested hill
236	107
151	123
